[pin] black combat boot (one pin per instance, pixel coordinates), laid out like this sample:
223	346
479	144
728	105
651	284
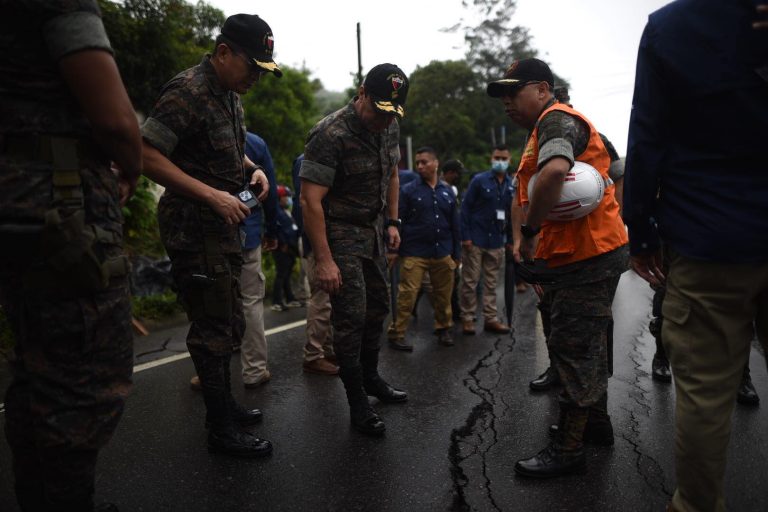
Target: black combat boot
660	364
362	415
444	337
599	430
747	394
373	384
546	380
565	454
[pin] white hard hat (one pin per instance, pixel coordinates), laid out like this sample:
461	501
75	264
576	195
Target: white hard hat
583	190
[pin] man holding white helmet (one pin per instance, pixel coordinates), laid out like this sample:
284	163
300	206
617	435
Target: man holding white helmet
589	253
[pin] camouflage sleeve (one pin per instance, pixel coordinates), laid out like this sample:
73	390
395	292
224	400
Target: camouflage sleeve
170	118
76	26
561	135
320	158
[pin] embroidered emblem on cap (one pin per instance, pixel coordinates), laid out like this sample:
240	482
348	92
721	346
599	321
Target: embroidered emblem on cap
512	67
397	82
269	42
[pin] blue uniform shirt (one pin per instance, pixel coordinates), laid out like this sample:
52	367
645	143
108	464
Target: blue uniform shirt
696	172
485	210
430	221
251	228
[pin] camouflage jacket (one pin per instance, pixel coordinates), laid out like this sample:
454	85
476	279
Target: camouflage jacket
198	125
356	166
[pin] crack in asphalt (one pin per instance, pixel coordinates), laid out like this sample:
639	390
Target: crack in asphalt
162	348
480	422
646	465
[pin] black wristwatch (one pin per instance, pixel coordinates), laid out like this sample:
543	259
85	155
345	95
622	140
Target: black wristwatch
394	223
528	231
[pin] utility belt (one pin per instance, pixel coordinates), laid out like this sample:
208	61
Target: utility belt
62	255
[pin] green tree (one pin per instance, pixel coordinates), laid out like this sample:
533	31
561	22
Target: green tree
282	111
155	39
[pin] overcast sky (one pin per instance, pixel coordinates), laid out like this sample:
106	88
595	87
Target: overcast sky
591	43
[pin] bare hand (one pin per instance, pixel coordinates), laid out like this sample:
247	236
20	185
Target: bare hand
228	207
268	244
126	184
394	238
259	179
528	248
328	276
648	266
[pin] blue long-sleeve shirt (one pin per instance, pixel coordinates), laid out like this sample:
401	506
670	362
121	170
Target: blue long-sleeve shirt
430	220
485	210
256	149
696	171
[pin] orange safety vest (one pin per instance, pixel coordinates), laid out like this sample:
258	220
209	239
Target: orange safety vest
601	231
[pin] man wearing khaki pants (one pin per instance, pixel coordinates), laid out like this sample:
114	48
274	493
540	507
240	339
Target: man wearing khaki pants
484	224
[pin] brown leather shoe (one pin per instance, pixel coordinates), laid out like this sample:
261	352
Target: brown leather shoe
321	366
263	380
194	383
496	327
468	328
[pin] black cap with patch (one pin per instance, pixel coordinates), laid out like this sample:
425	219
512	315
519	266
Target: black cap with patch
388	86
253	36
520	73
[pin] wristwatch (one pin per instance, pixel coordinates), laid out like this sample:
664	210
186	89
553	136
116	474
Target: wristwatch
394	223
528	231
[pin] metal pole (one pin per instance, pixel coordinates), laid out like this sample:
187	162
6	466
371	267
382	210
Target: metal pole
359	59
503	134
493	138
409	145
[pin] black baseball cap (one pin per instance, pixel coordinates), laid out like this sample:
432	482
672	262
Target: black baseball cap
253	36
388	86
520	73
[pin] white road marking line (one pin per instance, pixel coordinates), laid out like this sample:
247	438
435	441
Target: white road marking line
178	357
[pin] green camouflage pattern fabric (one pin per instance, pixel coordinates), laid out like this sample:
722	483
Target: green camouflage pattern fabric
74	356
580	317
359	309
199	126
356	166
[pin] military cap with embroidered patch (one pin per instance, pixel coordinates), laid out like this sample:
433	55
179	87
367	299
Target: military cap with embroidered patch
388	86
253	36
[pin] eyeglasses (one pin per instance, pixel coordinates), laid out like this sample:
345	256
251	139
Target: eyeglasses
253	68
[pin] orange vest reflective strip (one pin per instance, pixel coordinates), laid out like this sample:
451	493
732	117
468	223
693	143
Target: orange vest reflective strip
601	231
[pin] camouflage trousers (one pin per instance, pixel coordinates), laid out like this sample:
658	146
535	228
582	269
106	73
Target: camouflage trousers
359	309
215	330
71	375
580	320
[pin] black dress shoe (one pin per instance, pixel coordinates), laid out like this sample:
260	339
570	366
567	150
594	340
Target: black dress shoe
379	388
400	344
367	421
747	394
246	417
660	370
444	337
546	380
599	434
230	441
551	462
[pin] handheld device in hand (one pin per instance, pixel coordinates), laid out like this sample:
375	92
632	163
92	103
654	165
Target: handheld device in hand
248	199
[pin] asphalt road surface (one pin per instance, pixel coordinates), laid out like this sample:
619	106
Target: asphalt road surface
451	447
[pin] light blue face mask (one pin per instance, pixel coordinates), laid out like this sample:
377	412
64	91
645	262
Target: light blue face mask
289	203
499	166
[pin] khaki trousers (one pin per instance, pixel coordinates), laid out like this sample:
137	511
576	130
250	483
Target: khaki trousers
319	332
711	312
473	259
253	351
412	270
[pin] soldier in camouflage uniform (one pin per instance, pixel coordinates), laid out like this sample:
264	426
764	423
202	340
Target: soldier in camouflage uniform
194	145
64	114
349	182
590	254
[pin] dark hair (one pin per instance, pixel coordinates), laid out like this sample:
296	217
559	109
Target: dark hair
222	39
501	147
426	149
453	165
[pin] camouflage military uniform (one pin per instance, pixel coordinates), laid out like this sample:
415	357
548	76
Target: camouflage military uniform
356	165
73	352
198	125
579	307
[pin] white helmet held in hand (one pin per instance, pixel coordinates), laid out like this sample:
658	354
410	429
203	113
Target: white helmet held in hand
583	190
